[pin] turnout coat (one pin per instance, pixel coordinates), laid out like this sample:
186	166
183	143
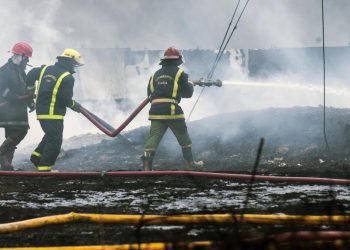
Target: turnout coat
13	112
165	89
55	90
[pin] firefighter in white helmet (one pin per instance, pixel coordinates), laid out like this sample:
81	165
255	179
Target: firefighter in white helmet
54	95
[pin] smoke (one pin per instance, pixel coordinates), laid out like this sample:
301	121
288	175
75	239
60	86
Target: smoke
51	26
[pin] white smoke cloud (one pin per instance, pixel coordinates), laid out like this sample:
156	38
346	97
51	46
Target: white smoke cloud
51	26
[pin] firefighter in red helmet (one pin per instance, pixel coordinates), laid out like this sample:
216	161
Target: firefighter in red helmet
13	109
165	89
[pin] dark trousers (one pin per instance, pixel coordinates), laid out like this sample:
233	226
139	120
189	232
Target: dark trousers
14	135
50	145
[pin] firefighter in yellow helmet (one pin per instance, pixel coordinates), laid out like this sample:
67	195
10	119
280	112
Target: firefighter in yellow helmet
165	89
54	95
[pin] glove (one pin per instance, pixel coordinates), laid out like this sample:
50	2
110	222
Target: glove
31	106
76	106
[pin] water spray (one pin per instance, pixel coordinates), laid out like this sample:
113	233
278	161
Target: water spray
289	86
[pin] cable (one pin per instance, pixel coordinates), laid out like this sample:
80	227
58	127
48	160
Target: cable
223	40
221	51
229	38
324	82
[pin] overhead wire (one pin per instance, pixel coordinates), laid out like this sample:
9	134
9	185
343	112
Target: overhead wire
227	41
324	81
218	55
222	48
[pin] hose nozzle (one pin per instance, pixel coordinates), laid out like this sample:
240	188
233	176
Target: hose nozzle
207	82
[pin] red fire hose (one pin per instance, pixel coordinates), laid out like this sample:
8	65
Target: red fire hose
310	235
228	176
110	131
105	127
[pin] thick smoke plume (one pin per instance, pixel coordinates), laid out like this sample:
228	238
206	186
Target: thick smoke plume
51	26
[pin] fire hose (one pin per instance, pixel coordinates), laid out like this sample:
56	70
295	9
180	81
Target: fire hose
180	219
191	174
110	131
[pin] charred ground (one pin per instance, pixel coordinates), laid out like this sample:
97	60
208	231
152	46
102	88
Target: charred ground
228	142
294	144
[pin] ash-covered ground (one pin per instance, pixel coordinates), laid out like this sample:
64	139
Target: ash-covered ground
31	197
294	144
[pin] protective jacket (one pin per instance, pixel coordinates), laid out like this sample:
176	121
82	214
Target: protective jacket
54	90
13	85
165	89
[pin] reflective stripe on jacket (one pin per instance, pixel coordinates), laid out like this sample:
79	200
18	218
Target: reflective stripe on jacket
166	88
54	91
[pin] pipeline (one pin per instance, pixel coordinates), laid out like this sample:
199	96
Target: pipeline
141	246
110	131
175	220
315	237
228	176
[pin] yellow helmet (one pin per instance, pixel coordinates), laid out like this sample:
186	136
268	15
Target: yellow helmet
72	53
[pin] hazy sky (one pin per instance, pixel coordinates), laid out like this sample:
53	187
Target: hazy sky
51	25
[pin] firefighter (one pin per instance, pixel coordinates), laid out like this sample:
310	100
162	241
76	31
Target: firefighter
54	95
165	89
13	109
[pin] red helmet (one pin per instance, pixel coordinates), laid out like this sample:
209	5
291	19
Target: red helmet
172	53
22	48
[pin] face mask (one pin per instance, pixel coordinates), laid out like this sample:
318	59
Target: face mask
20	60
17	59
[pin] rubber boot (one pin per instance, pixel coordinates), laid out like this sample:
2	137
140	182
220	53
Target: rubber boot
5	163
35	159
191	165
147	159
7	150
